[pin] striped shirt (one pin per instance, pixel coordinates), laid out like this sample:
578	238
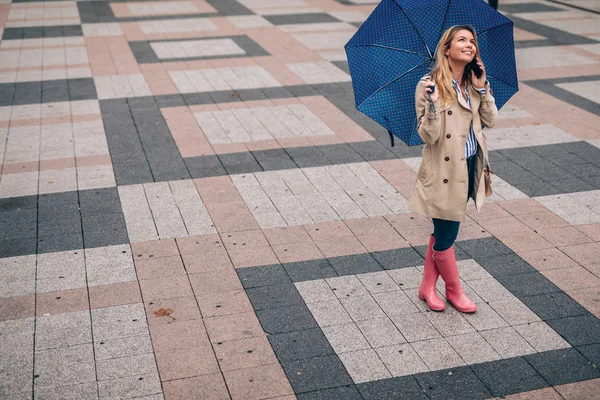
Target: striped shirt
471	147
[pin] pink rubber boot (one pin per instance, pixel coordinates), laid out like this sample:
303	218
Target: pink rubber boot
445	262
427	290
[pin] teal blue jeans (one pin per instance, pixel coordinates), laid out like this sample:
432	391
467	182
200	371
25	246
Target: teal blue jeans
444	231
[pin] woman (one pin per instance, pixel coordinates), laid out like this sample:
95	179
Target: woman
450	117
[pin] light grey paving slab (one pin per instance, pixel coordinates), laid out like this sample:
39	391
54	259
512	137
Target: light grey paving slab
110	264
450	322
406	278
401	360
16	382
378	282
138	217
395	303
347	286
362	308
513	311
60	271
415	327
437	354
343	205
328	313
119	322
291	210
413	295
541	336
167	217
193	211
82	391
315	291
128	346
473	348
297	182
122	367
470	270
369	202
364	366
69	365
490	289
346	337
485	318
321	180
18	276
62	330
133	386
380	332
507	342
318	208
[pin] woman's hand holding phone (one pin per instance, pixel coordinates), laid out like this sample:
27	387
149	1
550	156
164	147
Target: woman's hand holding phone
478	82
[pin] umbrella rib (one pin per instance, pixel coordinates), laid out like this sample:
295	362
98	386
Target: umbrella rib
392	81
415	28
389	48
509	22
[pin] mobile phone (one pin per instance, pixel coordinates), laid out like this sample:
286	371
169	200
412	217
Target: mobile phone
473	66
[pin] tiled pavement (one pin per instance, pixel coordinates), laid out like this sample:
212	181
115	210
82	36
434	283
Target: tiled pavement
191	208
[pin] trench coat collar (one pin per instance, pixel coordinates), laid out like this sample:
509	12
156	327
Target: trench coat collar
460	97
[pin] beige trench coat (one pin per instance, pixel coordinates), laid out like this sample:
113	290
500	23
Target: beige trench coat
442	181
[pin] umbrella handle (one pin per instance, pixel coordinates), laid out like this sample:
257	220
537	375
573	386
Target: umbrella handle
431	105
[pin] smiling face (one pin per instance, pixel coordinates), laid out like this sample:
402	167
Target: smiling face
463	47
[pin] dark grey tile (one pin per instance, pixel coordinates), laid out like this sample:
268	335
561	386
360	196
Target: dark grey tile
197	98
513	173
559	367
262	276
14	34
527	8
62	226
461	383
96	202
578	331
505	264
305	157
340	153
170	100
309	270
303	90
403	388
109	237
229	7
55	91
277	93
58	199
227	96
343	392
143	52
537	188
205	166
93	223
592	353
557	37
553	306
286	319
275	159
313	18
134	172
483	248
17	247
82	89
18	203
317	373
510	376
274	296
49	244
372	150
299	345
528	284
573	184
25	228
495	156
238	163
7	93
398	258
355	264
251	94
27	93
93	12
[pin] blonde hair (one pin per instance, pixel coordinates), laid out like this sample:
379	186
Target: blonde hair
441	72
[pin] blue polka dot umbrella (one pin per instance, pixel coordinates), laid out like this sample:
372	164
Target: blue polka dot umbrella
395	47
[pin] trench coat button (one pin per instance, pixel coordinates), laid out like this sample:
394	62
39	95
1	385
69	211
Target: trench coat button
448	136
447	158
445	180
450	112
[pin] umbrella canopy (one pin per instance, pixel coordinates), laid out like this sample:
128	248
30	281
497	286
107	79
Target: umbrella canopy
395	47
